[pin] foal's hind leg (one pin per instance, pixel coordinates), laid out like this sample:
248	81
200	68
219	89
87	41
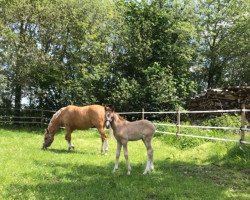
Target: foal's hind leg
150	165
68	138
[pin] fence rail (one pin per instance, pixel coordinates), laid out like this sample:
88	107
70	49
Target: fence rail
42	118
242	129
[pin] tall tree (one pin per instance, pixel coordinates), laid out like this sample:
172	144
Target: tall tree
52	47
156	34
224	40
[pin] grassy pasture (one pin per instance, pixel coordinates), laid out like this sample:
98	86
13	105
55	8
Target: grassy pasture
210	170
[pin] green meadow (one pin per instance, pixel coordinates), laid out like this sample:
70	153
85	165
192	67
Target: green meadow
207	170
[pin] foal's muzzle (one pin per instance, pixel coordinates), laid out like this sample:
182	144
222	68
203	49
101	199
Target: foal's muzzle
107	124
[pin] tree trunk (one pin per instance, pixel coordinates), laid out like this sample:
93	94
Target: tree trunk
18	99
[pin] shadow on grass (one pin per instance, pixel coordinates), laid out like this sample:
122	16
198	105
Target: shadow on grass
65	151
237	158
171	180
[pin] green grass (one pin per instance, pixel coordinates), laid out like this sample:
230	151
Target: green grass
210	170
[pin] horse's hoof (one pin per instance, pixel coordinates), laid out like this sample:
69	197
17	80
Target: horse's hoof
71	148
129	173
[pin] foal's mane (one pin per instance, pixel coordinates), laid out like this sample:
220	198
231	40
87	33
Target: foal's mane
120	117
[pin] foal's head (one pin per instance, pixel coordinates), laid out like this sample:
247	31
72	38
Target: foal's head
48	139
109	116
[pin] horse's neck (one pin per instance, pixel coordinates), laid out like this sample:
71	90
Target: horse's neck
53	127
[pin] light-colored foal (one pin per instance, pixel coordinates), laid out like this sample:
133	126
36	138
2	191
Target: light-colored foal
125	131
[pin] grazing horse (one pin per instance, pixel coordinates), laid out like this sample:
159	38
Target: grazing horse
125	131
81	118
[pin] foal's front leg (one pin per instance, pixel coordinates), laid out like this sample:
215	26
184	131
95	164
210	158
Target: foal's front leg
118	151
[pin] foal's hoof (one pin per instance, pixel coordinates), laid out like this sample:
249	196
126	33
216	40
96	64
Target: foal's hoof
147	172
104	153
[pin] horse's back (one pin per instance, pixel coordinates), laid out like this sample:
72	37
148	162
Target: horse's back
83	117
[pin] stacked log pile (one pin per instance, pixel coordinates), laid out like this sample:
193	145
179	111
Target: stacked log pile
222	99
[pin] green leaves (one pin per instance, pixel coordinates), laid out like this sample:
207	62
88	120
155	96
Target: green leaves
91	51
223	44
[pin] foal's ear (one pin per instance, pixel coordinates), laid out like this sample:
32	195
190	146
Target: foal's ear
109	108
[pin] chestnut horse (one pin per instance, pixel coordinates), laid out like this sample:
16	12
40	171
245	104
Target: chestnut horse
125	131
81	118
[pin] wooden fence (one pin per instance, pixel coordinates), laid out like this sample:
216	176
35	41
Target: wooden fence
41	118
38	117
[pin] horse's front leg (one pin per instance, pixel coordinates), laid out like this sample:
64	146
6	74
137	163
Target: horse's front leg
104	147
125	149
118	151
68	138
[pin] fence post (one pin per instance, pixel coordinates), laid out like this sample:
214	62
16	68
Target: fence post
178	121
243	122
142	113
42	118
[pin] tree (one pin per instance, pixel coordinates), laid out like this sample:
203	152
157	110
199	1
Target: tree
157	33
50	47
224	42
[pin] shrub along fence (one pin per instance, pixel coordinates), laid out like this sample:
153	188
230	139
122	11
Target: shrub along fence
180	122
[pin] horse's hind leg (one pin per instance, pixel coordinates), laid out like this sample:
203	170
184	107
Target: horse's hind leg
118	151
150	165
68	138
104	147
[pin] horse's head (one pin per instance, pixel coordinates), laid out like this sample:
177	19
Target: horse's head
48	139
109	116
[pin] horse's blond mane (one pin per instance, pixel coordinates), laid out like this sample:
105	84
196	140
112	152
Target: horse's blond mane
55	116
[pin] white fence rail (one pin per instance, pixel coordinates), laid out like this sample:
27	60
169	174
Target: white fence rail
242	129
42	120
